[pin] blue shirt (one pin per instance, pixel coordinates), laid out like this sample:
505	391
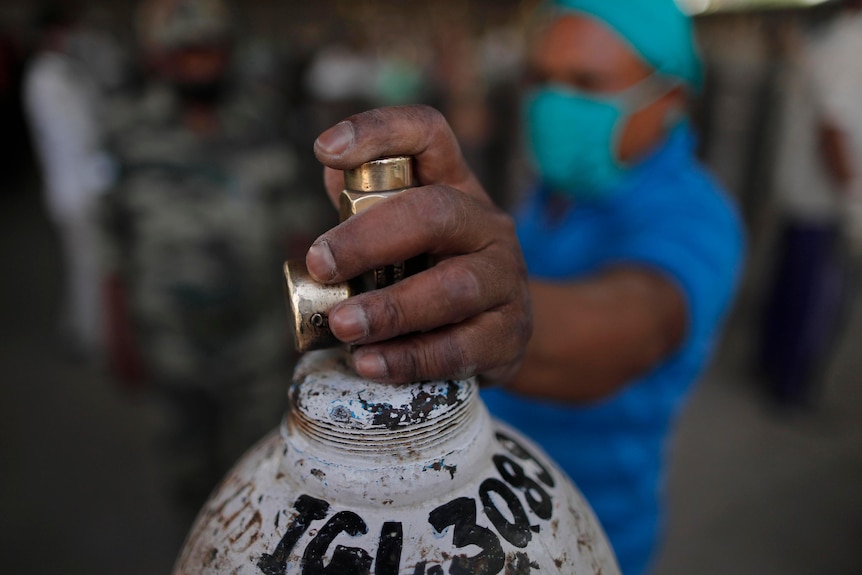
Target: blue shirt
670	216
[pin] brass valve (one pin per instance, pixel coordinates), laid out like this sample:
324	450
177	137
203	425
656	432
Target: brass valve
311	302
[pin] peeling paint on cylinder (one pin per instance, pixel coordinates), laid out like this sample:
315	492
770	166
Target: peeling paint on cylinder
364	478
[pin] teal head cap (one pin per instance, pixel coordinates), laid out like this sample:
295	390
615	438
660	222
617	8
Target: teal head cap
657	30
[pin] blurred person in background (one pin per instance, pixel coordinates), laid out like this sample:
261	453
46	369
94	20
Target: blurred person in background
206	210
63	102
818	177
634	253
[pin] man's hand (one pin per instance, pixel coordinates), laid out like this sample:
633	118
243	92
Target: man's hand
467	315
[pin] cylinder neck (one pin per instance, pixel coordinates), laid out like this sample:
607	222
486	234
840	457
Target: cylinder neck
412	441
335	408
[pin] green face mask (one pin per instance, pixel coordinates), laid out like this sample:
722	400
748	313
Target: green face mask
573	136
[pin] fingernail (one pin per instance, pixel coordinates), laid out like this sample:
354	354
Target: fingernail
336	139
349	323
320	263
371	365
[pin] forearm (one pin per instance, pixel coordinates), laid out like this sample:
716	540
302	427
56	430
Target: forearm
593	337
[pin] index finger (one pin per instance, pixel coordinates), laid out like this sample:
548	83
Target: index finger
418	131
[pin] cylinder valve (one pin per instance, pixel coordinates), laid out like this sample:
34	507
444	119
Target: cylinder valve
309	301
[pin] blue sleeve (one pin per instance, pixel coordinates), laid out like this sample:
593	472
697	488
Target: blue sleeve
697	242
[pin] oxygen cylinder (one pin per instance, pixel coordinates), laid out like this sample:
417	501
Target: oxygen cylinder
364	478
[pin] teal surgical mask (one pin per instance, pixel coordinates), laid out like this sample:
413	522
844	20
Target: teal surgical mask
573	135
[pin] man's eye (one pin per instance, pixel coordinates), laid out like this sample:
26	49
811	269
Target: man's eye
584	82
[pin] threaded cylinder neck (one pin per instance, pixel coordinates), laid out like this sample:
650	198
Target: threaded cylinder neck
334	408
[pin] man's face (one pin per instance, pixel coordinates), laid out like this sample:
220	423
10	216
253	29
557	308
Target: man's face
584	54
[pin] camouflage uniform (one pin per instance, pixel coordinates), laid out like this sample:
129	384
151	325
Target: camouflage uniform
200	227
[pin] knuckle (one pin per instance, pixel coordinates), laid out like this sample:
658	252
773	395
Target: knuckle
506	275
387	315
459	286
425	361
449	358
506	230
513	329
427	358
507	222
424	113
431	113
522	334
405	364
516	318
446	212
371	118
